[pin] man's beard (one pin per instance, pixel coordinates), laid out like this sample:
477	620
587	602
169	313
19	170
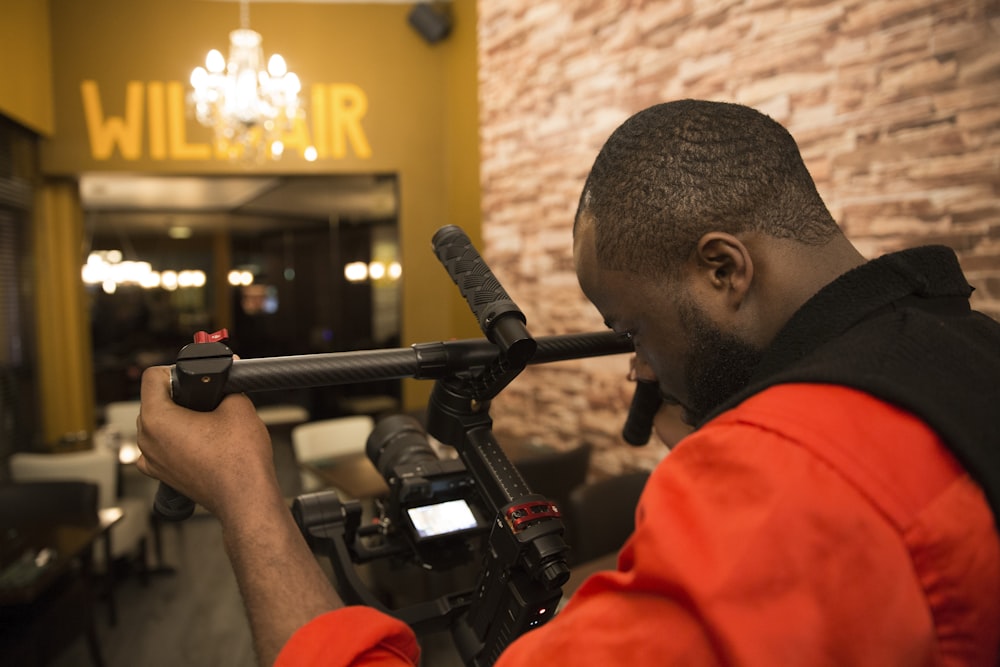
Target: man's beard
719	364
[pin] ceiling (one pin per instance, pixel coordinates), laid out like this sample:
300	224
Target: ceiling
139	204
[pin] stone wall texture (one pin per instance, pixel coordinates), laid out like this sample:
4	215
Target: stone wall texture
895	105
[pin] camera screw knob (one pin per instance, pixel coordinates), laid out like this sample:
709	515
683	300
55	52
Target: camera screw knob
555	574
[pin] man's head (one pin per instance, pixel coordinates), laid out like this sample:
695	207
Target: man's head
700	231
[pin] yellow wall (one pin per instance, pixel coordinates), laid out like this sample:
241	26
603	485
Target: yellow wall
26	84
421	119
462	155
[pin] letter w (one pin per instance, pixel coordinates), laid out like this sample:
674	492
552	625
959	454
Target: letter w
105	134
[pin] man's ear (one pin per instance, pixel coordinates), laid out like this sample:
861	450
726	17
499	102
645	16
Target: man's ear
724	264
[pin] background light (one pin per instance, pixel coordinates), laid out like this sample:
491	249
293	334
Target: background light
355	272
106	268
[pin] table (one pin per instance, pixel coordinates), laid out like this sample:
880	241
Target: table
354	474
45	596
65	543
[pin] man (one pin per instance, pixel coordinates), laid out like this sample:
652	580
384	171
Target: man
828	510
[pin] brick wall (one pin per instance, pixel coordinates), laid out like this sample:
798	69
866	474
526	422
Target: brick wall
895	105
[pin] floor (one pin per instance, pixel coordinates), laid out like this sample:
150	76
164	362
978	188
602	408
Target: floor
194	616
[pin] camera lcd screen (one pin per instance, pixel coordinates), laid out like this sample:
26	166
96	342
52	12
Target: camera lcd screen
442	518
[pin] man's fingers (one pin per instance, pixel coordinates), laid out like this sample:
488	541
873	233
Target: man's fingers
142	466
156	383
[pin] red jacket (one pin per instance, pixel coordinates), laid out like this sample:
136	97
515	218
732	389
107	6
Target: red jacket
811	525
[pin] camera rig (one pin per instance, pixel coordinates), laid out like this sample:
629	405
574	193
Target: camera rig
523	557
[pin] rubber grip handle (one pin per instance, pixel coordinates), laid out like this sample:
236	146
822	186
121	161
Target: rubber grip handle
171	505
198	382
486	297
646	402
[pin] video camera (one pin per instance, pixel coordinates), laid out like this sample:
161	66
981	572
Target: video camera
439	511
430	499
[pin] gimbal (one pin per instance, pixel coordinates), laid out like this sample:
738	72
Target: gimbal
523	562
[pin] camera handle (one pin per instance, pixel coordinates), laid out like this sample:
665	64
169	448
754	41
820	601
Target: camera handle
197	381
499	317
524	565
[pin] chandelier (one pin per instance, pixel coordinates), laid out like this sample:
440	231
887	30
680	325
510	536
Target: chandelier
247	106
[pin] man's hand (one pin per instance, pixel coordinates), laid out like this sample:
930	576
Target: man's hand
215	458
223	460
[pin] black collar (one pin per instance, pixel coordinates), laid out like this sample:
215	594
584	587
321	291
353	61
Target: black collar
925	274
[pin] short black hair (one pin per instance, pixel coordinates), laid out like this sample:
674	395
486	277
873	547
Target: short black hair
677	170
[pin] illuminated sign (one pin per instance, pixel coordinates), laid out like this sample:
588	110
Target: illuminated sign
154	124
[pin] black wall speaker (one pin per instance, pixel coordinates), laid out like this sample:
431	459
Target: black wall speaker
432	21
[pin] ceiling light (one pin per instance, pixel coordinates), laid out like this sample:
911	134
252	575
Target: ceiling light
247	106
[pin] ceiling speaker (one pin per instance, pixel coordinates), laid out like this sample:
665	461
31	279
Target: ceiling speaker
432	21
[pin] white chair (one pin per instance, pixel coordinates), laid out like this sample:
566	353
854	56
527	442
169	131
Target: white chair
121	416
119	434
329	439
280	415
99	466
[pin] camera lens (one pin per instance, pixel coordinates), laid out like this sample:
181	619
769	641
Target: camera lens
396	440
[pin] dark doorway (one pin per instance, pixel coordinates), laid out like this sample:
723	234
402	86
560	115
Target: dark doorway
287	245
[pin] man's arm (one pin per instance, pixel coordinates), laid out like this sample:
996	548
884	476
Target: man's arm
223	461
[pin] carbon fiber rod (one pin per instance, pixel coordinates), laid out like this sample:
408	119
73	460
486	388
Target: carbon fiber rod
319	370
421	361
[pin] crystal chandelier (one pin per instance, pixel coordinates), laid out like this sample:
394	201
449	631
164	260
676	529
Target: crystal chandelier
247	107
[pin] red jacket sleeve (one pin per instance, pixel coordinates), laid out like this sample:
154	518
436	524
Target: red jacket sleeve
351	636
